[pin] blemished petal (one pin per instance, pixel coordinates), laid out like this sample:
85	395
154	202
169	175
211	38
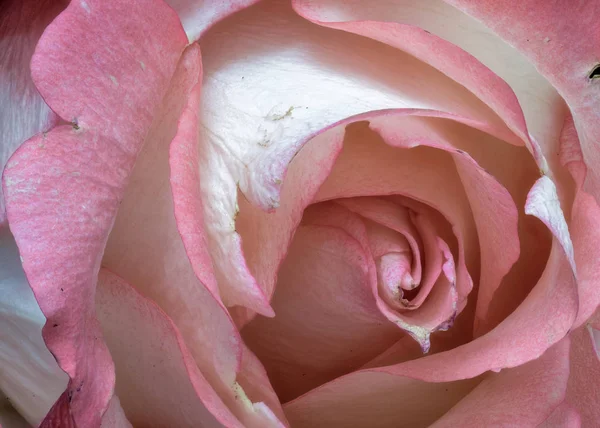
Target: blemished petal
305	79
584	389
30	378
158	263
63	188
564	416
197	16
327	322
521	396
23	112
156	378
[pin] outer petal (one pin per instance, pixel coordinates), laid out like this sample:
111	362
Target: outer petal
376	399
197	16
156	378
158	262
585	216
23	112
30	377
563	43
584	385
564	416
63	188
565	49
466	51
522	396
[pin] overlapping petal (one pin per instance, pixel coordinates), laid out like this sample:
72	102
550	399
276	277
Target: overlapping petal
63	188
263	99
24	112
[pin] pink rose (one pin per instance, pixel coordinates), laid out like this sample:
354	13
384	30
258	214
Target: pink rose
323	213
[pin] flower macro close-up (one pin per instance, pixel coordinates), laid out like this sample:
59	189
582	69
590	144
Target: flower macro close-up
299	213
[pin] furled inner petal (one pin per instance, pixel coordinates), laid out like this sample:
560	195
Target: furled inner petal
327	322
414	227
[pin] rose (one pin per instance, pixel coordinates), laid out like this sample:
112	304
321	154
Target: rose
63	188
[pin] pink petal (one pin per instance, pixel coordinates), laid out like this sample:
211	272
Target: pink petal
521	396
466	51
197	16
494	211
515	397
63	188
584	389
30	377
521	337
563	56
156	377
585	214
114	417
394	217
158	262
249	144
564	416
327	322
23	112
60	414
376	399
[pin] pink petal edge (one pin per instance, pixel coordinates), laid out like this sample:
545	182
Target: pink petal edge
78	173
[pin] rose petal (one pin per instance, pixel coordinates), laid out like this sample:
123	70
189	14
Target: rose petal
564	416
542	319
327	323
543	203
466	51
563	56
521	396
62	189
376	398
494	211
584	390
158	260
197	16
114	417
397	218
23	112
290	67
585	214
156	377
30	377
